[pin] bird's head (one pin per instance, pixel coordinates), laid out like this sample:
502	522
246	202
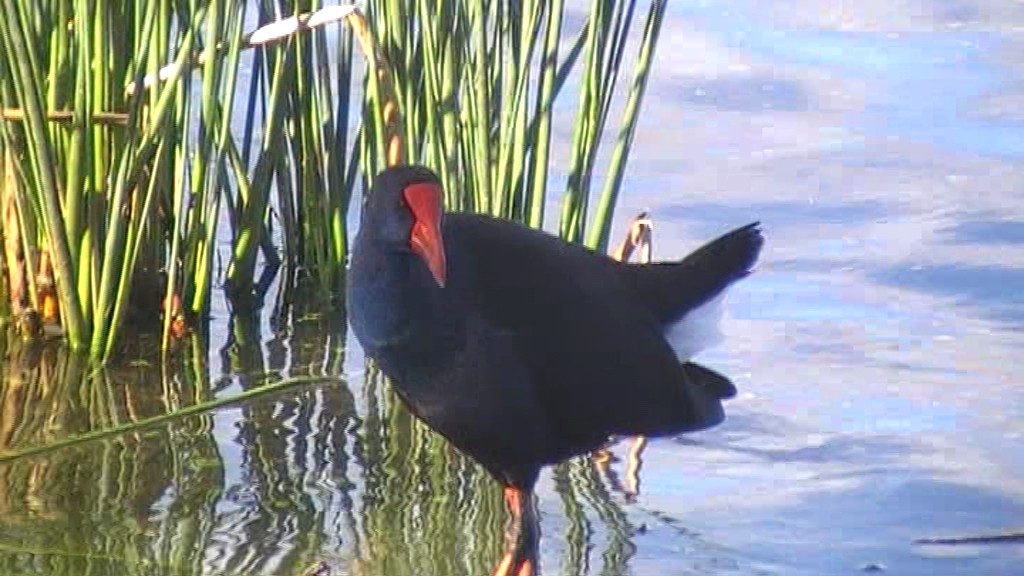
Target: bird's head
404	212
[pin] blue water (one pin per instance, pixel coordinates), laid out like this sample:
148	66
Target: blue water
927	80
878	344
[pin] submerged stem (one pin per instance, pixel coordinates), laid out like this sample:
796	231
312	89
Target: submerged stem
194	409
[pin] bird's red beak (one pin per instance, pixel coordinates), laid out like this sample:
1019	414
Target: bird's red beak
424	200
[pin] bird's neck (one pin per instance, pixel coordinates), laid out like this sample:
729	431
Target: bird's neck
397	310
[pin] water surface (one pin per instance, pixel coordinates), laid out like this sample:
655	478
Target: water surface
876	349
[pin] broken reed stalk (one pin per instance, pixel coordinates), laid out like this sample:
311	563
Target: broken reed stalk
67	116
262	36
192	410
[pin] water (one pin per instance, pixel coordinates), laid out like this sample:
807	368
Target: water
876	349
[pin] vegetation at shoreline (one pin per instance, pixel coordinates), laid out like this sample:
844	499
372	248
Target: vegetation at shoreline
154	152
126	201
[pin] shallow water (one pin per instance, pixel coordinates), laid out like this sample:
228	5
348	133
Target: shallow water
876	350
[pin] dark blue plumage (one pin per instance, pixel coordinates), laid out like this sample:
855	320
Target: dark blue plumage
534	349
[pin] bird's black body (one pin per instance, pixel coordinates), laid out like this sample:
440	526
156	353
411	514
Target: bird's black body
534	349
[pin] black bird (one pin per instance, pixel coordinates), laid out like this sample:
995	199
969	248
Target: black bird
522	349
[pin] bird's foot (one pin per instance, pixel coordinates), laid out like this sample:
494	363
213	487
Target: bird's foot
523	535
512	566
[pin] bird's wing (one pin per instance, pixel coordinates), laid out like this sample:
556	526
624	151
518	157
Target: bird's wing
596	355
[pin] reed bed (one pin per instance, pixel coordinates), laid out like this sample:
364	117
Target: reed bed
149	157
155	151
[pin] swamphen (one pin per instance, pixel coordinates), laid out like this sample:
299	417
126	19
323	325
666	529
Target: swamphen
522	349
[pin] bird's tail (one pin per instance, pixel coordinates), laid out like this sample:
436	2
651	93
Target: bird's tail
686	296
713	383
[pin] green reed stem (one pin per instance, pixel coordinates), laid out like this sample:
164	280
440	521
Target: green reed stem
598	234
192	410
536	193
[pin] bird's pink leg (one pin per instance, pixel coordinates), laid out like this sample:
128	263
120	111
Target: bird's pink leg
519	560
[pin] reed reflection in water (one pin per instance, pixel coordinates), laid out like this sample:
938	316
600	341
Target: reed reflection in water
336	478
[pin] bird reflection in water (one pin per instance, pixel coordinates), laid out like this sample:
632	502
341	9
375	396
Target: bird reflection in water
430	510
